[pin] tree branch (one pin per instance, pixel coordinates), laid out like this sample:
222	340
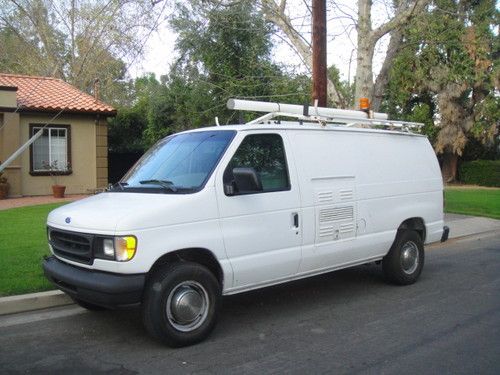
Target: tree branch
403	13
282	6
383	77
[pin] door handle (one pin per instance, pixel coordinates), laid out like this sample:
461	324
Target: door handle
295	220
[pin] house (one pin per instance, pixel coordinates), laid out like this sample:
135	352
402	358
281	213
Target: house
73	146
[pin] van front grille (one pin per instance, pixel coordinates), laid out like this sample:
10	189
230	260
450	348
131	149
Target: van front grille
72	245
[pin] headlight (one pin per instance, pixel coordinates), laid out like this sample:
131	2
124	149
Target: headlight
108	247
121	249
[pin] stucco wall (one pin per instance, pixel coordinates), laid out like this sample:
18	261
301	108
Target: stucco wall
83	155
8	97
10	138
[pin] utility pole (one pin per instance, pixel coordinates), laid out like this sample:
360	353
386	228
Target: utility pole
319	51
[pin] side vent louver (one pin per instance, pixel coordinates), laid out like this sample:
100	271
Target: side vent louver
326	231
346	228
346	195
335	208
335	223
336	214
325	197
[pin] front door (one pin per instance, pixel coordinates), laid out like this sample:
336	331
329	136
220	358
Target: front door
261	229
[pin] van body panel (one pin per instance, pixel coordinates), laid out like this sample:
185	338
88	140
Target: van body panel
299	276
369	182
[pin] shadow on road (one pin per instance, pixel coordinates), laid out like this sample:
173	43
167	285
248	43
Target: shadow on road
266	306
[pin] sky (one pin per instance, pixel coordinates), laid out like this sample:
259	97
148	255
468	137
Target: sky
341	47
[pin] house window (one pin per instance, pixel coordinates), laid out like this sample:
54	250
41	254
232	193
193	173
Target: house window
51	152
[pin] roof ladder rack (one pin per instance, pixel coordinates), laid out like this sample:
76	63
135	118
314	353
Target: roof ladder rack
321	115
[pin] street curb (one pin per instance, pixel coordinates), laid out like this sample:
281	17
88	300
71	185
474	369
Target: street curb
33	301
461	237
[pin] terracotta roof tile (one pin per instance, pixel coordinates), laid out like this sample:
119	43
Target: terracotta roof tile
52	94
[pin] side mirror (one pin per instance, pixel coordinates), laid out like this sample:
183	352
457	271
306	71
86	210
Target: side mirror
246	180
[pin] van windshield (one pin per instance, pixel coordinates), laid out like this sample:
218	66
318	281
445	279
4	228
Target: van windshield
181	163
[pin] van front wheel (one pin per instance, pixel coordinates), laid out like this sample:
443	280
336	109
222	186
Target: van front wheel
405	260
181	303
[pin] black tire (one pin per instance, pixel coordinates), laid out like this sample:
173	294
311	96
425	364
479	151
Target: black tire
398	265
183	282
88	305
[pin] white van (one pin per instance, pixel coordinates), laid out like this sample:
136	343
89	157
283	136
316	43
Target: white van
227	209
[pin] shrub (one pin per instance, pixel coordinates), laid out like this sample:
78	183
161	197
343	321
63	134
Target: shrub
480	172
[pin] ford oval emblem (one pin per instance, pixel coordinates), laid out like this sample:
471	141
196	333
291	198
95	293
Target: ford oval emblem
67	220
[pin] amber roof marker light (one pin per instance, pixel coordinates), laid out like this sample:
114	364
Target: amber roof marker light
364	105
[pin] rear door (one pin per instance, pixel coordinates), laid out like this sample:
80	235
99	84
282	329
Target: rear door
261	230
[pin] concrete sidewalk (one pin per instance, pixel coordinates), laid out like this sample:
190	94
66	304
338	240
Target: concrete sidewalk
5	204
460	226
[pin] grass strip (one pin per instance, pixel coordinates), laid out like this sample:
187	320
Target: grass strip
475	202
23	244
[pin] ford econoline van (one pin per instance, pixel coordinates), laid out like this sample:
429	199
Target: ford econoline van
227	209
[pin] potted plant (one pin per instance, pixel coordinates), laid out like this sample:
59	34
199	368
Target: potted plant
54	171
4	186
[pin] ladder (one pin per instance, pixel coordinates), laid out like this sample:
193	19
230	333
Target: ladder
321	115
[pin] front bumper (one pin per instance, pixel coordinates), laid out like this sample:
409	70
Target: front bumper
100	288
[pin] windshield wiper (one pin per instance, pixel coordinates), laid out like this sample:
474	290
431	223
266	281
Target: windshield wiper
163	183
120	185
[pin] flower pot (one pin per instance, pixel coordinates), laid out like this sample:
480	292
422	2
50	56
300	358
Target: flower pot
4	190
58	191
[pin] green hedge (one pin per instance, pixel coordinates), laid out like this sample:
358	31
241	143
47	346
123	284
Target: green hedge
480	172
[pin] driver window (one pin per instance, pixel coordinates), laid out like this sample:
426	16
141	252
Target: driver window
264	153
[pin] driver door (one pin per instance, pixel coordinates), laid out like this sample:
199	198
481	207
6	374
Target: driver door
261	228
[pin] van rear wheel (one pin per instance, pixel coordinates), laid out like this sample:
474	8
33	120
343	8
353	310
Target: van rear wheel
405	260
181	303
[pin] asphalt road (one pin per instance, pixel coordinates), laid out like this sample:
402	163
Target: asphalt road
344	322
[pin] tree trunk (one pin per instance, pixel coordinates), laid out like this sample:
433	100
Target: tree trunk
449	167
364	74
364	58
368	38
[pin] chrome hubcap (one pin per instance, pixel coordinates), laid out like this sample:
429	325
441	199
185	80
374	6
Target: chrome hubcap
187	306
409	257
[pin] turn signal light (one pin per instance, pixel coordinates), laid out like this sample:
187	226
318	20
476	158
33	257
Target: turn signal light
125	248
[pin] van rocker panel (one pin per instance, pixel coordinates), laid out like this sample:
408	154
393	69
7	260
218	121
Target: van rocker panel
99	288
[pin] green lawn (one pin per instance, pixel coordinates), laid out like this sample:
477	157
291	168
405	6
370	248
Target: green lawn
23	243
471	201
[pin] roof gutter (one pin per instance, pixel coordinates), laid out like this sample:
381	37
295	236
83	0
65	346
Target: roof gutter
110	113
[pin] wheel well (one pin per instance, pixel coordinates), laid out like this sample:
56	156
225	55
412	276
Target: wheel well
196	255
416	224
